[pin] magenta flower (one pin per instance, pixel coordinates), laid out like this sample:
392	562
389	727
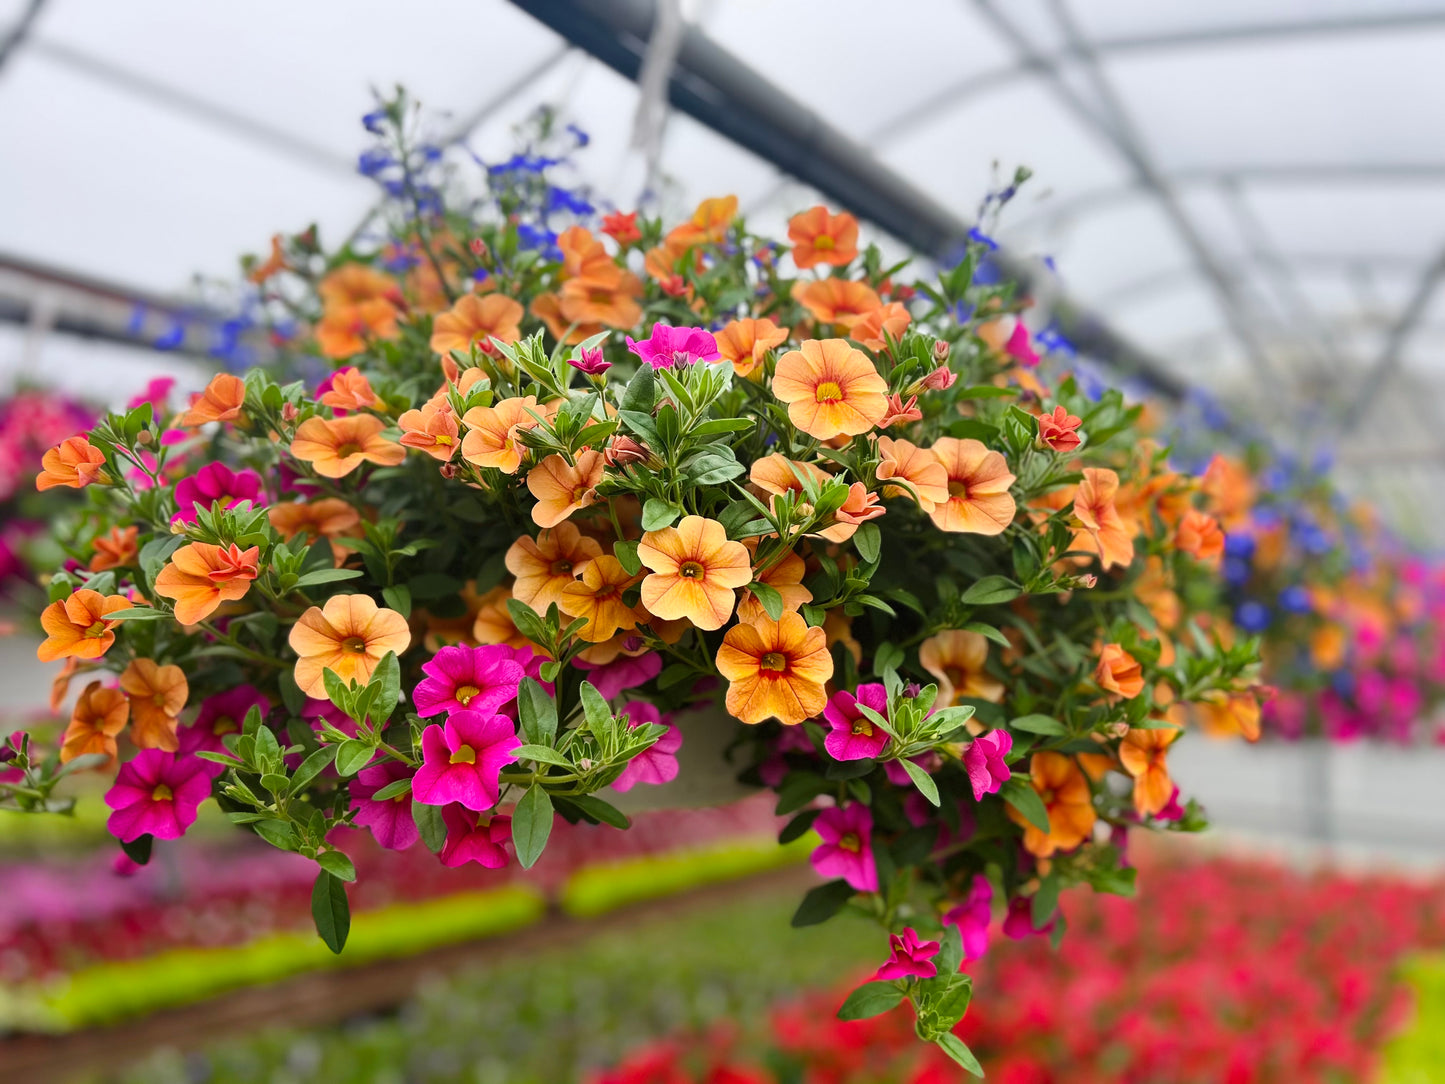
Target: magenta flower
479	679
853	737
1172	810
983	760
390	819
847	849
671	346
1020	348
911	957
590	362
658	763
612	679
220	715
155	393
157	794
1018	924
462	760
972	917
898	775
472	838
216	482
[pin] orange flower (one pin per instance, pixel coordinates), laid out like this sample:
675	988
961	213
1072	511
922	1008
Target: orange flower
1067	799
583	255
350	390
355	284
158	695
610	301
474	321
346	329
746	342
337	446
776	669
784	575
837	301
330	518
859	508
100	714
831	389
775	474
77	627
1229	714
819	237
1104	531
433	429
561	487
115	549
1328	646
548	308
597	596
868	329
695	572
60	684
838	627
491	439
545	566
1154	590
201	576
275	263
978	482
494	624
348	636
220	402
1144	755
1230	489
1198	535
1119	672
957	657
621	227
75	463
904	461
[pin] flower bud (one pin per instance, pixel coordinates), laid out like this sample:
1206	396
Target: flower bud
941	379
624	451
7	754
941	350
479	248
145	438
449	471
289	413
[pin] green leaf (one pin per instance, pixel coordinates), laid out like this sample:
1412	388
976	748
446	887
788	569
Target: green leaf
954	1001
531	825
595	709
398	597
1045	902
1020	794
429	823
429	585
386	679
279	834
338	865
822	903
543	754
798	826
528	621
599	810
641	391
990	591
275	782
291	694
770	598
327	575
137	613
1039	724
922	780
988	632
538	712
626	554
331	911
138	850
395	789
950	951
352	756
657	514
870	999
869	542
954	1047
311	767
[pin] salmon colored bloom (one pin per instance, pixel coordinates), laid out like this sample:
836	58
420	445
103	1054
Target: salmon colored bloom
859	508
220	402
597	596
869	328
337	446
201	576
1230	489
1118	672
776	670
346	329
775	474
903	461
899	412
78	626
330	517
561	488
610	301
1198	535
433	429
1154	589
491	439
1104	529
100	714
1230	714
475	320
274	265
494	624
837	301
1059	430
957	659
621	227
353	283
546	565
75	463
784	575
1065	793
746	342
547	307
819	237
349	390
978	482
348	636
158	695
709	222
696	572
114	549
584	257
1144	755
831	389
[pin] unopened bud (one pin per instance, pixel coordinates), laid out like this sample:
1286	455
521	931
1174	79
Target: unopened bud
941	350
623	451
449	471
145	438
7	754
289	413
585	764
912	689
1119	729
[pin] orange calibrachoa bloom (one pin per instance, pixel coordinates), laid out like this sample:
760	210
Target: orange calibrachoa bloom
359	304
1227	714
978	501
79	626
919	468
494	624
957	657
1144	755
831	389
775	474
158	695
859	508
433	429
784	575
330	518
1230	489
201	576
348	636
776	670
868	329
100	715
819	237
548	308
597	596
350	390
337	446
220	402
475	320
837	301
746	343
546	565
1104	532
1065	793
491	439
1118	672
74	463
1198	535
114	549
696	572
561	487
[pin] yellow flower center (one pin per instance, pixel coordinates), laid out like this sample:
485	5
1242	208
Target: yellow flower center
354	644
464	754
159	700
579	494
851	842
161	793
692	570
224	725
600	297
442	438
1047	796
348	449
97	629
775	661
862	726
465	694
828	391
958	489
824	243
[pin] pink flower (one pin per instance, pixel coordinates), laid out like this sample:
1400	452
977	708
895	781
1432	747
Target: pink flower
847	849
216	482
1018	924
941	379
478	679
1172	810
220	715
1020	348
625	672
390	819
972	917
155	393
315	711
899	412
671	346
472	838
853	737
462	760
157	794
590	362
911	957
657	764
983	760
